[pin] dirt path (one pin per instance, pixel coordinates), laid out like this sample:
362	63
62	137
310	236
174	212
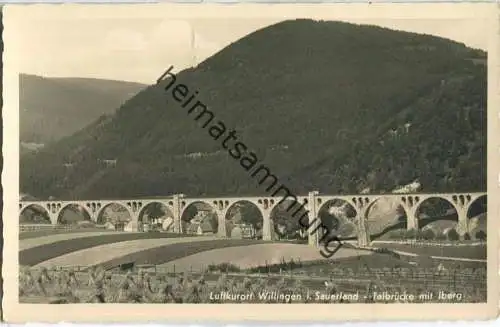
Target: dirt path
410	254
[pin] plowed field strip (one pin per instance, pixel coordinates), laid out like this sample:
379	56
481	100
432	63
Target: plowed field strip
25	244
171	252
103	253
42	233
34	255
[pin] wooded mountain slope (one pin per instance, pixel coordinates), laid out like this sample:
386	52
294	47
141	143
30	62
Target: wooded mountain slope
316	101
52	108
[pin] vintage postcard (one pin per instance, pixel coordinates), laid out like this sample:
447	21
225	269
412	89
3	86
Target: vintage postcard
216	163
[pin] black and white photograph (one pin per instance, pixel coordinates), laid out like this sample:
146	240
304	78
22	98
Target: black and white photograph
178	154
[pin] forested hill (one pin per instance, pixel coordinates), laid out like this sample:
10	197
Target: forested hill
52	108
327	106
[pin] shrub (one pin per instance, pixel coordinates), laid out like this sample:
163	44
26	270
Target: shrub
224	267
411	234
382	250
387	251
440	237
428	234
397	235
453	235
419	234
481	235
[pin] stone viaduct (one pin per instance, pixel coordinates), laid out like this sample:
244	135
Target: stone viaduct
312	203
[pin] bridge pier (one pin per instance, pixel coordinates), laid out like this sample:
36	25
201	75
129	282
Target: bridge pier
410	205
220	209
313	231
93	215
412	221
267	233
462	204
134	211
54	209
361	205
463	221
53	217
221	222
363	234
177	214
313	219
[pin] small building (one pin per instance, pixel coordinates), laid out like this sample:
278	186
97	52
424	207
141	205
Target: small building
200	228
109	163
248	231
241	231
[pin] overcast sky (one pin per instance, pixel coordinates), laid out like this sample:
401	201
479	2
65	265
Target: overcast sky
141	49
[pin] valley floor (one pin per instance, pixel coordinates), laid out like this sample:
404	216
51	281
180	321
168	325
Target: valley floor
280	266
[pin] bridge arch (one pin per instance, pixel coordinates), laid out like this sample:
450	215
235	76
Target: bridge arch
339	216
438	208
322	201
40	214
284	219
393	215
63	219
477	206
203	210
477	216
244	214
119	218
156	213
